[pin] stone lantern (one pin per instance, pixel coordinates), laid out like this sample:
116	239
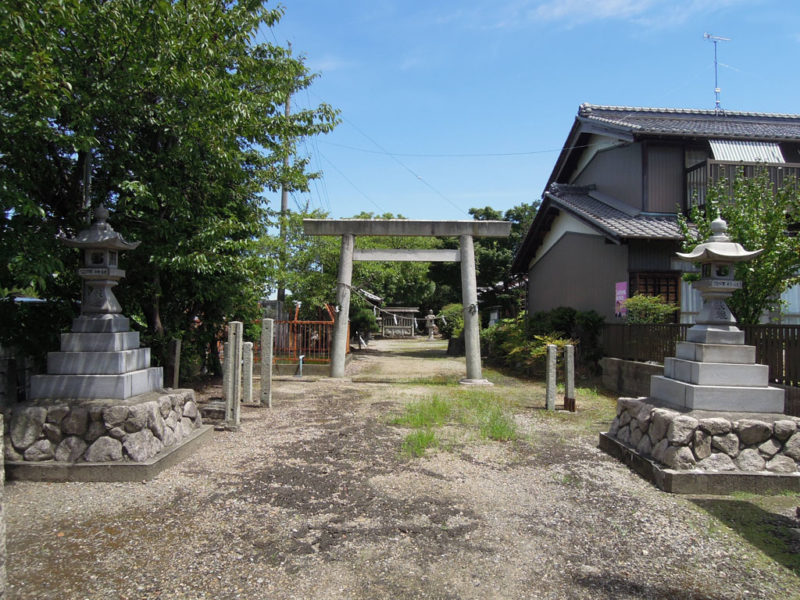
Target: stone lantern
101	358
717	257
714	369
101	246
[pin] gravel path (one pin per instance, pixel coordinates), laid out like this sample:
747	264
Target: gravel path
312	499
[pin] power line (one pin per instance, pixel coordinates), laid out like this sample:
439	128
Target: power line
407	168
355	187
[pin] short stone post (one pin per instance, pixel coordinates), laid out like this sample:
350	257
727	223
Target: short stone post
550	395
227	374
569	377
267	333
247	372
234	369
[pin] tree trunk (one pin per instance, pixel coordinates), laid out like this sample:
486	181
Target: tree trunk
152	309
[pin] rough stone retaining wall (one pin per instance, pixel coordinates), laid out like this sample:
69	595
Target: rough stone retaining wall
708	443
100	431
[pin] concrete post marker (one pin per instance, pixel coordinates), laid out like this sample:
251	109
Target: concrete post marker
247	372
569	377
550	395
267	332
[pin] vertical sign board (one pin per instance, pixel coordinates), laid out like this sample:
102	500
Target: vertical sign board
620	295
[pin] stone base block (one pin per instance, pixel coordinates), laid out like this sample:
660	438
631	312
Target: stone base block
716	353
689	396
696	482
713	373
485	382
715	335
99	342
110	472
126	385
97	363
100	324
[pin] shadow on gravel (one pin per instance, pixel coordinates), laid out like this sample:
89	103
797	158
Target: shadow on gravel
325	484
771	533
619	587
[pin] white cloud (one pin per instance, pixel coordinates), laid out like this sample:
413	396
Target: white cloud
588	10
328	63
512	14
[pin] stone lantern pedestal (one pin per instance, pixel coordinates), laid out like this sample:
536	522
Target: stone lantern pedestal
101	357
100	413
713	369
712	424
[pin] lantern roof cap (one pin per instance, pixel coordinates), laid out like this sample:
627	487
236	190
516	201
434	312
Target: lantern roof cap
99	235
719	247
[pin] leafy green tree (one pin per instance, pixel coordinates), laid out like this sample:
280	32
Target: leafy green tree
174	109
760	215
493	258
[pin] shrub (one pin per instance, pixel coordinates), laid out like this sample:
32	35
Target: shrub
508	343
362	320
453	323
644	309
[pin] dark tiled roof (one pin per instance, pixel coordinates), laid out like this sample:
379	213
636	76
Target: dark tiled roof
696	123
612	221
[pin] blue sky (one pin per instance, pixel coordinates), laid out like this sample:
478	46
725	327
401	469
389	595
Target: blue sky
452	104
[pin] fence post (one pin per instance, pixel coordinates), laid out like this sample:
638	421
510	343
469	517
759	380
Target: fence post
267	333
550	396
569	377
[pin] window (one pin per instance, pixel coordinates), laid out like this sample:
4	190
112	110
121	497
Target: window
666	285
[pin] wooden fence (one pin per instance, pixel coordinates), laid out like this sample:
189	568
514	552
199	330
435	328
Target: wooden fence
777	346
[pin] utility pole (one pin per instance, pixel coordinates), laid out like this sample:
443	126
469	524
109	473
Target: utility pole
281	294
715	39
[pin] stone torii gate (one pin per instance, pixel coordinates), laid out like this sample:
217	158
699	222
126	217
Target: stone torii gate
465	254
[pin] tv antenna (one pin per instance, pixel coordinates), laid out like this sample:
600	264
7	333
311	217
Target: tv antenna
715	39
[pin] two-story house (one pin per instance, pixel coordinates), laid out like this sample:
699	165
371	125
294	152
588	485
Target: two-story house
607	225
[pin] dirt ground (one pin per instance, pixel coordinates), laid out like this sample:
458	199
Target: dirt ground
313	499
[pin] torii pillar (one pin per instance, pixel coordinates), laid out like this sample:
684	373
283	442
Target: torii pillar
466	231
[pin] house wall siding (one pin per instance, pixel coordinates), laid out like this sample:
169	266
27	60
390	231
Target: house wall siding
564	276
616	172
652	255
665	179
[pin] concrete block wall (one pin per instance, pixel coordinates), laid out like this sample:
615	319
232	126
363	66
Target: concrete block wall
627	377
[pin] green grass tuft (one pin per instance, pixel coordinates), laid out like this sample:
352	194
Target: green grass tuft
425	413
499	426
416	443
